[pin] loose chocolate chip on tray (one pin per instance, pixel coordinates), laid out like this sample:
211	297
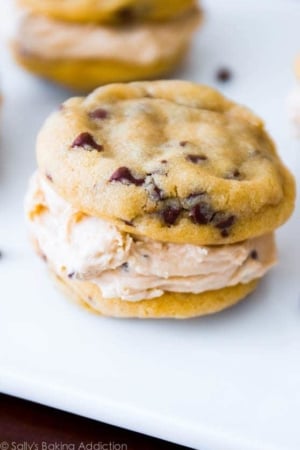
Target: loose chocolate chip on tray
86	141
196	158
123	175
98	113
223	74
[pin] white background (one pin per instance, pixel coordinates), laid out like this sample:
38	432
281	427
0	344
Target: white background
227	382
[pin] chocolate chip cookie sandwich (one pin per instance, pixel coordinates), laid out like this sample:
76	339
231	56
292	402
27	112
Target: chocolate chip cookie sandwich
83	44
157	199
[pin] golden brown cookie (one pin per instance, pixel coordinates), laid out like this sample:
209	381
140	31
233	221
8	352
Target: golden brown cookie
169	306
85	56
170	160
109	11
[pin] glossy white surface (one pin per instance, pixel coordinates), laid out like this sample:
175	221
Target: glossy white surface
227	382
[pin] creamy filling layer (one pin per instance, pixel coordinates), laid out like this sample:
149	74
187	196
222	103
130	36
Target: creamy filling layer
136	43
130	267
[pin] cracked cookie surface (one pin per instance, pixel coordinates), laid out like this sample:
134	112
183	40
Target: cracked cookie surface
171	160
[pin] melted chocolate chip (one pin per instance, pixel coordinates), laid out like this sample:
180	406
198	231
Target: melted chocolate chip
171	214
224	74
196	158
125	14
127	222
254	254
224	233
235	175
98	113
223	222
201	213
123	175
71	275
49	177
87	141
183	143
164	161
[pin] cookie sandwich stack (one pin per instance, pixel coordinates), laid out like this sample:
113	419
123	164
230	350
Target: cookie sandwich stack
157	199
86	43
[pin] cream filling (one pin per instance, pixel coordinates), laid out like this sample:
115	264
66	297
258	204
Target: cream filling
135	268
137	43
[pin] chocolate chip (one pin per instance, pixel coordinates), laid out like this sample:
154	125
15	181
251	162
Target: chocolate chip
223	74
49	177
254	254
126	14
201	213
224	233
196	158
87	141
71	275
127	222
98	113
171	214
123	175
125	266
222	221
164	161
183	143
235	175
146	256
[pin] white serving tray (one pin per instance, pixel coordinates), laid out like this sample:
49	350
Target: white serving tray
226	382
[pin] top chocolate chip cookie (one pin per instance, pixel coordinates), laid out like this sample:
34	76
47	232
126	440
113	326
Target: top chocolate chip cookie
171	160
109	11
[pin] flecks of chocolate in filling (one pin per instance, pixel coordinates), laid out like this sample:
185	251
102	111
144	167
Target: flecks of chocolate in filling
44	257
223	74
49	177
196	158
98	113
224	233
125	267
123	175
170	214
86	141
128	223
254	254
71	275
